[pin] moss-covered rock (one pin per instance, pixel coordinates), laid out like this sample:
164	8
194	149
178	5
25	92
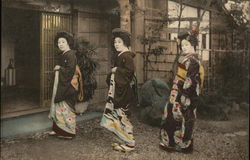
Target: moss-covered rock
152	100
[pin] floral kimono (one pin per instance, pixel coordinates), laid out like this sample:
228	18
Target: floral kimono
180	113
119	98
64	96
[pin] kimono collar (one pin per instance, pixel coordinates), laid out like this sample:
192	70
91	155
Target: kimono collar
184	57
65	51
122	52
190	54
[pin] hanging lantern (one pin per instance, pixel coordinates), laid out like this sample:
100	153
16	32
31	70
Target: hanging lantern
10	74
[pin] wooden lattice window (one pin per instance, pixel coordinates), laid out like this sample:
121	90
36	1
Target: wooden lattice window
51	23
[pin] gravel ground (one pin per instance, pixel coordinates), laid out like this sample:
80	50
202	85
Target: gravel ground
212	140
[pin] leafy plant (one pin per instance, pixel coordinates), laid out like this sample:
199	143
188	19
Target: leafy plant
150	41
234	76
87	65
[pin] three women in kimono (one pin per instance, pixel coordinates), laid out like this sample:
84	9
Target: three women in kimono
65	88
180	113
120	94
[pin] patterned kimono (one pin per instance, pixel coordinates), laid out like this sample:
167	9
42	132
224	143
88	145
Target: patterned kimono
180	113
64	97
119	98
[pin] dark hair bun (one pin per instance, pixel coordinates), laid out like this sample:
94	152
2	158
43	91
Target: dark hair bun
68	36
191	37
123	34
183	35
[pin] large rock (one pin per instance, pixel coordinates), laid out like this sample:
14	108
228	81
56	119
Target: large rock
153	97
244	106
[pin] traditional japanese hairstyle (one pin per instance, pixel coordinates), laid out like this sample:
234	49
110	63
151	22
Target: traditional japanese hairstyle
189	36
123	34
67	36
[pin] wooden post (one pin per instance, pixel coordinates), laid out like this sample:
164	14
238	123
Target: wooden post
125	8
138	28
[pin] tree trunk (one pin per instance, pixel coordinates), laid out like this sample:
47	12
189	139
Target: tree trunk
125	8
208	2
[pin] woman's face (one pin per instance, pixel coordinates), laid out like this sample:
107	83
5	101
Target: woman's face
186	47
63	44
119	44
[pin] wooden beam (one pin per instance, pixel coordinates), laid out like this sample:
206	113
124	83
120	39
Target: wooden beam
62	7
159	19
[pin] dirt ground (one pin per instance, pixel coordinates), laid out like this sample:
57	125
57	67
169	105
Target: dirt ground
212	140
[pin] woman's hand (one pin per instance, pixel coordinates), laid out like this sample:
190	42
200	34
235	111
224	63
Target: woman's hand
113	70
57	67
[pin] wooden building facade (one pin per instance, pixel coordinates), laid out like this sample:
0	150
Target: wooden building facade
29	27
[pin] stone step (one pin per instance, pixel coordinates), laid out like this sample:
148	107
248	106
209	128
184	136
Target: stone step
33	123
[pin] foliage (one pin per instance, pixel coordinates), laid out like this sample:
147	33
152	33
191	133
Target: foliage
87	65
237	11
153	32
151	41
234	76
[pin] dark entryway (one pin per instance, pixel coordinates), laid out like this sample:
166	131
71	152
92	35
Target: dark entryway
20	42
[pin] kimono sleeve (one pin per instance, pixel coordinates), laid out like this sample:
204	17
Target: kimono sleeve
191	81
125	71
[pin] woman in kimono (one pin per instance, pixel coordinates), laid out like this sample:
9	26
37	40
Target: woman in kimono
180	113
65	88
120	95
